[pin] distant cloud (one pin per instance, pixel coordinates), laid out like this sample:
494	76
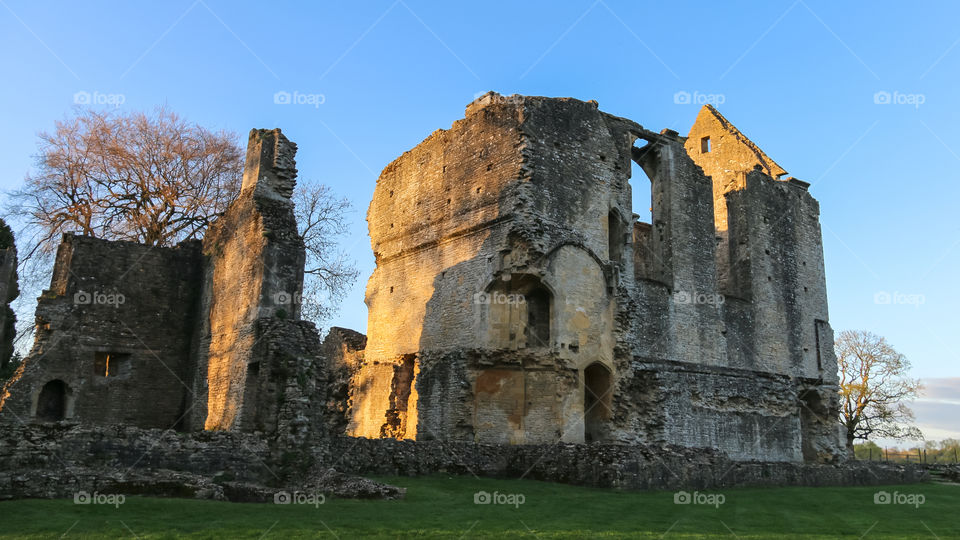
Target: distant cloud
937	411
938	408
945	390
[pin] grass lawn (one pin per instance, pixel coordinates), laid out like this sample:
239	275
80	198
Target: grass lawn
443	507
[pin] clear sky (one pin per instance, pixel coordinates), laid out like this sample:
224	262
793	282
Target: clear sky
859	99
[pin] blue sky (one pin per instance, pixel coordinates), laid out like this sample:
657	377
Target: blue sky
801	78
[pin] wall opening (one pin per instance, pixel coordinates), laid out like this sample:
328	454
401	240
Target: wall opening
520	311
52	403
401	388
641	188
815	420
538	318
648	199
705	145
597	400
111	364
251	390
615	239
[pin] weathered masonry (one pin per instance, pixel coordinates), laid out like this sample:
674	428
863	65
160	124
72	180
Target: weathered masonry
197	336
517	299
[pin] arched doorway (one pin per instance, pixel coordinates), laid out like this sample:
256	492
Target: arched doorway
52	402
597	399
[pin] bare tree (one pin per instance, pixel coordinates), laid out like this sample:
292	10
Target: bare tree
874	388
329	271
156	179
152	178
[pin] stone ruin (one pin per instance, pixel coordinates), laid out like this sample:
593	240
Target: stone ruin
517	299
9	291
200	336
521	320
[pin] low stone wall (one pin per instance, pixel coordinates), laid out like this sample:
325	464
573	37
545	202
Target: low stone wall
603	465
62	460
50	461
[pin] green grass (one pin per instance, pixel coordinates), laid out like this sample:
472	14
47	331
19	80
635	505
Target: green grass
443	507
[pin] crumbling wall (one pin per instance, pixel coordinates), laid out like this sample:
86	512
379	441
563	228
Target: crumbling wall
285	395
725	155
113	337
253	269
9	291
343	350
434	212
779	260
745	414
680	304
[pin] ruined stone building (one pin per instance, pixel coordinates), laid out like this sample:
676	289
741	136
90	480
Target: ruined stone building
516	299
198	336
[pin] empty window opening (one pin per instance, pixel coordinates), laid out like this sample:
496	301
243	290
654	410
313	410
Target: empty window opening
111	364
705	145
597	399
538	318
641	187
52	403
519	312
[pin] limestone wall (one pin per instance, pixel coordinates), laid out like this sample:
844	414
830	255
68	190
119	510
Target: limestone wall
530	198
253	269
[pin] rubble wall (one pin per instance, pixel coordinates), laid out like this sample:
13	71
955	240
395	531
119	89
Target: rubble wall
113	337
